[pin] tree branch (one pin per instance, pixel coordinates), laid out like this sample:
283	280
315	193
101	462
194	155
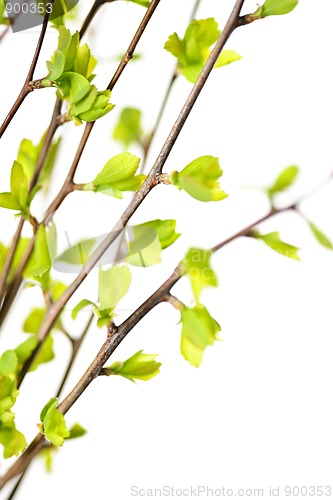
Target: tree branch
26	89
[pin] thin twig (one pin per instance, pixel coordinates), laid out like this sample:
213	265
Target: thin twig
26	89
151	181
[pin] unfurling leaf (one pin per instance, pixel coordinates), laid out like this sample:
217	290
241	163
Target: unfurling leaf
320	236
199	330
118	175
199	179
54	425
197	265
165	229
275	8
192	51
286	178
128	128
70	71
274	242
138	367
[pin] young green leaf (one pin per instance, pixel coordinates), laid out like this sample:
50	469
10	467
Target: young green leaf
8	363
197	265
54	425
81	305
113	285
34	320
274	242
275	8
19	185
144	3
199	179
41	259
45	354
76	431
119	168
165	229
286	178
12	440
199	330
138	367
192	51
7	200
320	236
128	128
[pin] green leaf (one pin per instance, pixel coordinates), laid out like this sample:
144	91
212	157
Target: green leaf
143	246
274	242
227	57
99	108
12	440
113	285
144	3
192	51
81	305
45	354
138	367
73	86
7	200
197	265
286	178
119	168
81	64
199	179
165	229
128	128
276	8
25	349
8	363
199	330
41	259
34	320
19	185
76	431
54	426
320	236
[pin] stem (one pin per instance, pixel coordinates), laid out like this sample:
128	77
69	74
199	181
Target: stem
26	89
75	349
96	5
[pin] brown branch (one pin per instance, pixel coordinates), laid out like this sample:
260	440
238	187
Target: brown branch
26	89
53	126
150	182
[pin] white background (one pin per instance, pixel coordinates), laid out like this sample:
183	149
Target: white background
258	412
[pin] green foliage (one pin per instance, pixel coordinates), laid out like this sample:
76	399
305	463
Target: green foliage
274	242
199	330
275	8
138	367
76	431
147	241
71	72
165	229
17	198
3	18
199	179
128	128
193	50
320	236
53	423
113	285
197	265
144	3
284	180
117	175
12	440
34	320
42	256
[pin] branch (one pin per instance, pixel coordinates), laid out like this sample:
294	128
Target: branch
54	124
26	89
